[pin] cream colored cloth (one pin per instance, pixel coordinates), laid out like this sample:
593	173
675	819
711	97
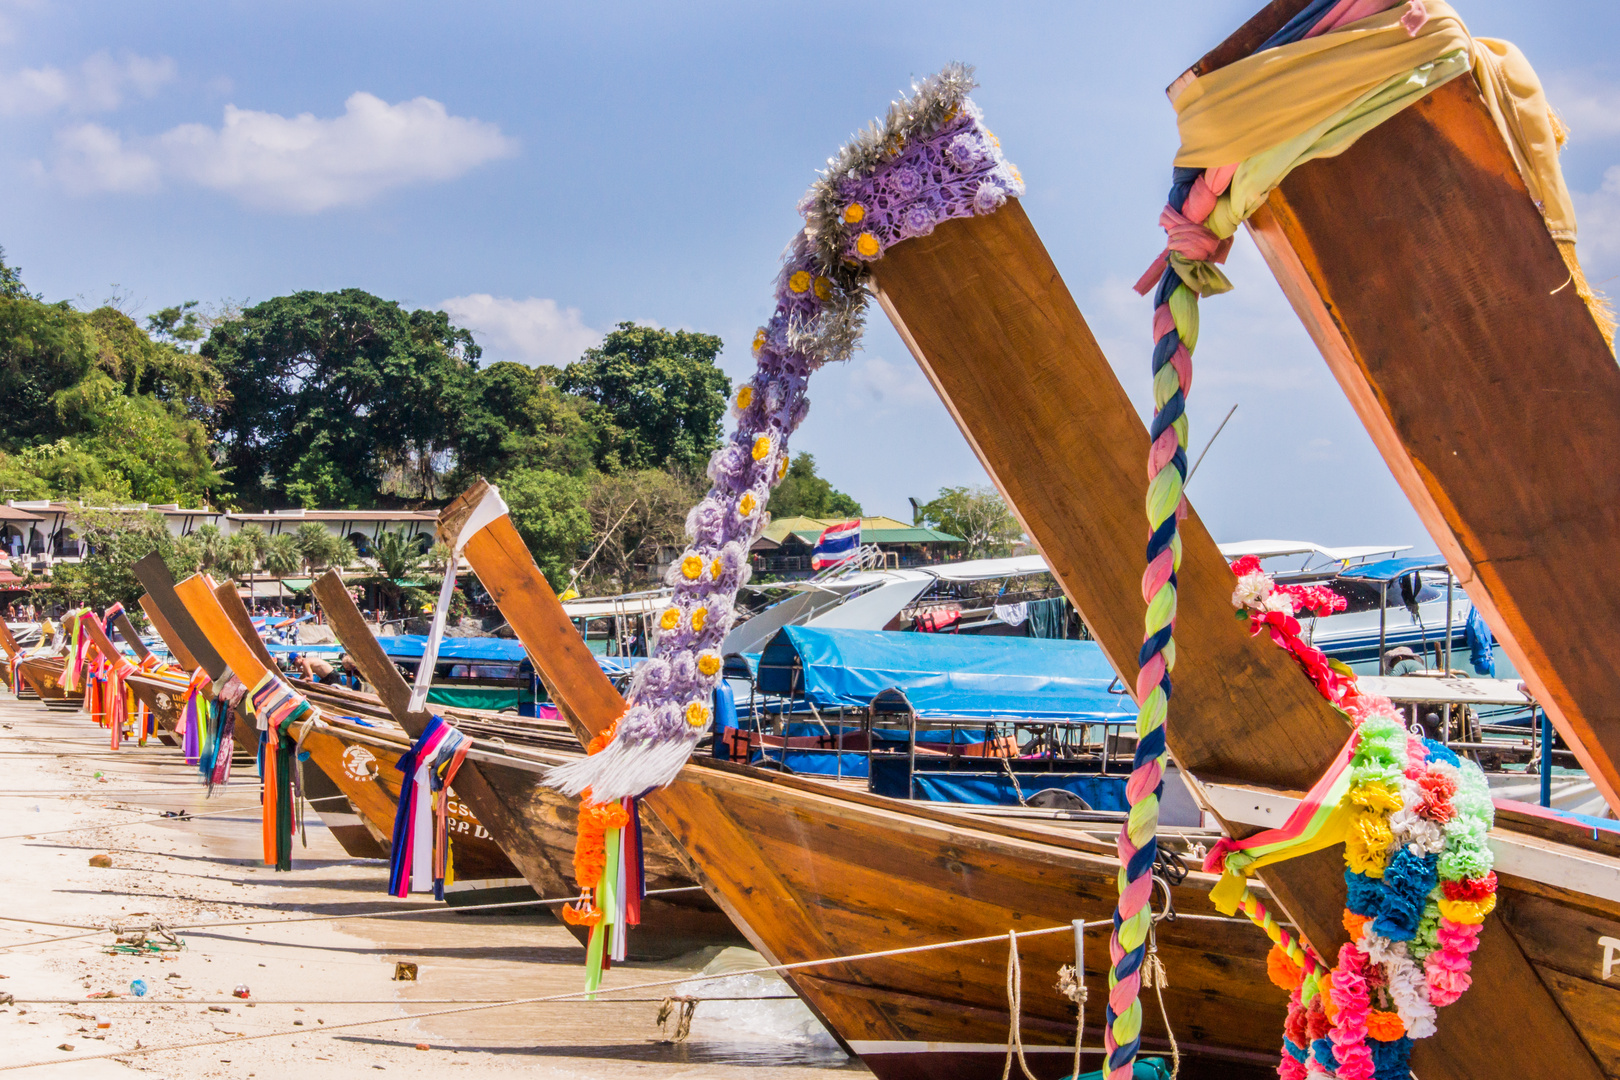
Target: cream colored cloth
1262	102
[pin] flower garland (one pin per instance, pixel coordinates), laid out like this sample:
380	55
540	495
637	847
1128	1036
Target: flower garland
930	160
1418	873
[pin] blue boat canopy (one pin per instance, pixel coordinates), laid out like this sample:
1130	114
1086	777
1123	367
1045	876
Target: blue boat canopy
1390	569
489	650
945	675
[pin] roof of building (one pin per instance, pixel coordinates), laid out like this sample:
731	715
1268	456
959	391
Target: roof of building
874	530
337	515
57	506
9	512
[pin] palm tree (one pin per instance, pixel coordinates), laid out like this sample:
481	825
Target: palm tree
399	558
281	555
210	545
240	556
254	539
346	555
316	545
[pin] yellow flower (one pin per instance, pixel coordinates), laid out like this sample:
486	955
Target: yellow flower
991	136
800	281
951	115
745	397
746	505
759	339
1469	912
715	570
670	619
868	245
781	468
709	664
697	714
854	214
823	287
692	566
700	616
1018	177
762	448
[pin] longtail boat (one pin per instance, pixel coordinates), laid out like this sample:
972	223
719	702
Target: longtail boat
347	825
1505	459
985	312
534	825
1508	456
810	870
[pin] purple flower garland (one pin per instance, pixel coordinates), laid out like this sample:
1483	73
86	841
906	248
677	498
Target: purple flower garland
929	161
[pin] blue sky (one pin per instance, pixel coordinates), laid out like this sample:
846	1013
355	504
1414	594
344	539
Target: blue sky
545	171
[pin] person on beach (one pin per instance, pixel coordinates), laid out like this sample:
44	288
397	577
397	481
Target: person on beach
314	669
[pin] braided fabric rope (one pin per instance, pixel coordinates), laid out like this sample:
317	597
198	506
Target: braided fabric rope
1291	946
1175	334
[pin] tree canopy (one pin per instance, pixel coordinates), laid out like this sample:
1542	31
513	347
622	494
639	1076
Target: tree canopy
802	493
328	397
661	391
978	514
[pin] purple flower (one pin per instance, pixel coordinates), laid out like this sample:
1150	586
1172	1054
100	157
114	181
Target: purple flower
905	182
918	219
989	197
965	151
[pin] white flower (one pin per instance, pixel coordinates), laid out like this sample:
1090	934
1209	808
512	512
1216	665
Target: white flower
1279	601
1252	590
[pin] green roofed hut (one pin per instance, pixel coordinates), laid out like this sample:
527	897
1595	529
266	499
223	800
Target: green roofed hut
785	546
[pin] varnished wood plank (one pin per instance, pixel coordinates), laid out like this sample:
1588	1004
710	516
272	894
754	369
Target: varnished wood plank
1484	381
984	311
160	623
126	630
8	641
153	574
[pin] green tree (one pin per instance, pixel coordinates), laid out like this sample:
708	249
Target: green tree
803	493
518	418
977	514
44	349
661	391
635	516
210	545
282	556
399	558
325	395
240	557
11	284
548	510
317	547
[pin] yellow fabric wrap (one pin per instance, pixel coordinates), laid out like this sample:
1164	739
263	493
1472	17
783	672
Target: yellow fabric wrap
1263	101
1228	891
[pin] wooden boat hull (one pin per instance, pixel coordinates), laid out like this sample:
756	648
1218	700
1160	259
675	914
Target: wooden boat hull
43	674
163	699
815	872
367	773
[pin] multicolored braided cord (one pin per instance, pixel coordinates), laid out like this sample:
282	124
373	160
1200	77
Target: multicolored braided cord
1175	334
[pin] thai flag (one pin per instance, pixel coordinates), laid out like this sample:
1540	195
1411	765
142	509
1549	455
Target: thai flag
838	545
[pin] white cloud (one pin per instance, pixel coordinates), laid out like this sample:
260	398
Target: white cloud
1598	217
100	84
301	164
532	331
93	158
874	381
1591	109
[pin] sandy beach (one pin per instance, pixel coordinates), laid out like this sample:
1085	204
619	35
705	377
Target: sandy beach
68	798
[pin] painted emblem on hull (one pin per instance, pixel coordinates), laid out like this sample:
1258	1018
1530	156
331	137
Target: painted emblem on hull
360	764
164	701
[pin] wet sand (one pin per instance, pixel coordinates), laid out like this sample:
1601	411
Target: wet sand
304	978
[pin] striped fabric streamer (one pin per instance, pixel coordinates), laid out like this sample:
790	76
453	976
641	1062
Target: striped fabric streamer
193	716
275	707
419	860
78	649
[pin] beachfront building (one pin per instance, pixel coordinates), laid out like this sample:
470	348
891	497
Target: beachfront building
784	549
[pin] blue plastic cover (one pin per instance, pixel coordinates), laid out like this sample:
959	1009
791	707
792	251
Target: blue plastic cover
946	675
491	650
1390	569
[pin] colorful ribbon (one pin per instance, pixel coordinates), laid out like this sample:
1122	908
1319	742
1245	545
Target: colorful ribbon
419	859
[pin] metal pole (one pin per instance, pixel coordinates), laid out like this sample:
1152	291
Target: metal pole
1383	609
1450	580
1546	759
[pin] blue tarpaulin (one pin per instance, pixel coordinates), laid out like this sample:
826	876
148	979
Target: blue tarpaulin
489	650
1390	569
1478	638
946	675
